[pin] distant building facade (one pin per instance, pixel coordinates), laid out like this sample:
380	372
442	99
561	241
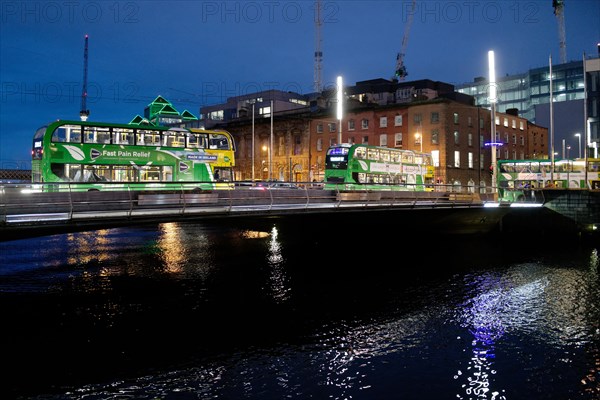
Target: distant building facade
529	93
442	122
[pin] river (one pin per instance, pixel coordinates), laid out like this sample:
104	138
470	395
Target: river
309	308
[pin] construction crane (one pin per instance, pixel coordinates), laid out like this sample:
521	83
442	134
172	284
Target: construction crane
559	11
318	51
84	113
401	72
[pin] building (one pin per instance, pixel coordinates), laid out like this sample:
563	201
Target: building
529	93
448	125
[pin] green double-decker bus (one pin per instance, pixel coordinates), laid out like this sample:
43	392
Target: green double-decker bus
78	155
518	180
365	167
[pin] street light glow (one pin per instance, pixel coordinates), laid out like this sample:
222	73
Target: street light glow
339	98
492	72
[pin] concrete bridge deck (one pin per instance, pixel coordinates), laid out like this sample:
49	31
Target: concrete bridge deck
26	213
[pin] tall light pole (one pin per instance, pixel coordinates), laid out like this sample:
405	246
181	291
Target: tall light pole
253	101
340	97
493	99
578	136
271	145
266	148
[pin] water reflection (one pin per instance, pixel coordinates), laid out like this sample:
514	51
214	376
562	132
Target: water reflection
278	280
304	326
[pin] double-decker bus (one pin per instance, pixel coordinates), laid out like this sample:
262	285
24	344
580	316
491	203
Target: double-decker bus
516	178
97	154
365	167
220	143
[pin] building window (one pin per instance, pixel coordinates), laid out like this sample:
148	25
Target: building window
398	120
351	140
514	139
435	136
456	137
514	124
331	127
435	117
417	118
521	125
383	122
455	118
297	145
470	139
364	123
398	139
351	125
331	142
265	111
505	122
365	139
522	141
320	144
457	159
383	140
470	121
470	159
319	128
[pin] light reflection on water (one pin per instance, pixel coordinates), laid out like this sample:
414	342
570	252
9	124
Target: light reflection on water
507	331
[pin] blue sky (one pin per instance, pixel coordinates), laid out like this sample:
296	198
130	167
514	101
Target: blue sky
198	53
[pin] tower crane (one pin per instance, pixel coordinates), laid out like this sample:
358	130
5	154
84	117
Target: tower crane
84	113
401	72
559	11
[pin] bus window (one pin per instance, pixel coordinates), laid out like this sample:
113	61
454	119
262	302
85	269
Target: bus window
197	140
360	153
67	133
122	136
218	141
373	154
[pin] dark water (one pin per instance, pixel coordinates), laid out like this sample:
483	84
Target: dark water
310	308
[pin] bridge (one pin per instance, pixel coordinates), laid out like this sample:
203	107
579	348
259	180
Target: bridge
26	211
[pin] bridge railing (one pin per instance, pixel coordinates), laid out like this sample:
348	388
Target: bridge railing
71	201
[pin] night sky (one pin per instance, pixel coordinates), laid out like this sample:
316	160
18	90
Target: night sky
197	53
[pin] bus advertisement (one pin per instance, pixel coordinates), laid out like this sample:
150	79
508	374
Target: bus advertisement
517	178
94	155
365	167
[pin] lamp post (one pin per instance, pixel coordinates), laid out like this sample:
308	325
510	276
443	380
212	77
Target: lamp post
266	148
493	99
340	97
253	101
578	135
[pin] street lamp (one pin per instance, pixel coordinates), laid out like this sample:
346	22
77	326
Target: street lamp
339	108
578	135
493	99
266	148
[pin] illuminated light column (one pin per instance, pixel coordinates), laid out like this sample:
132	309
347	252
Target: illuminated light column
493	99
578	136
340	98
253	177
271	145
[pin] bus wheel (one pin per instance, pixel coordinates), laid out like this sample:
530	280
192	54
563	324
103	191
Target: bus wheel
93	190
520	198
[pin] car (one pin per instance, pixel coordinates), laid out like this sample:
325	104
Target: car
283	185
